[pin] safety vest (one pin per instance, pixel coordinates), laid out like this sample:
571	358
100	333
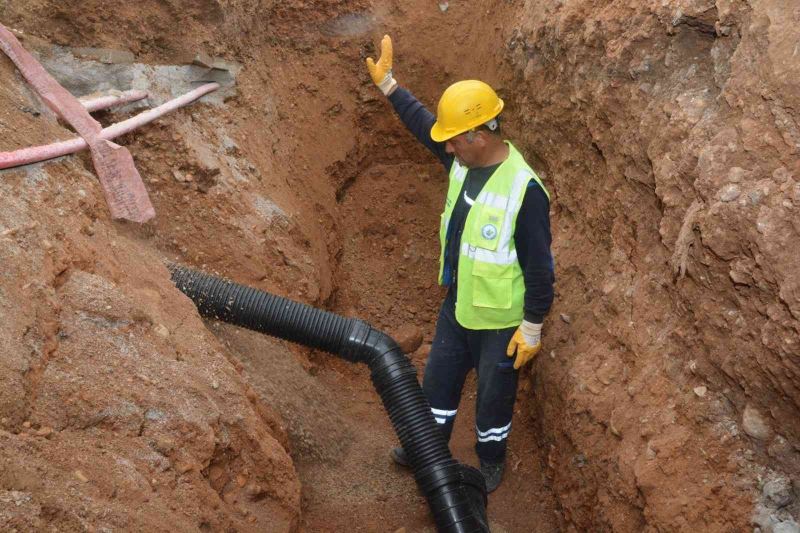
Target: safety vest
491	290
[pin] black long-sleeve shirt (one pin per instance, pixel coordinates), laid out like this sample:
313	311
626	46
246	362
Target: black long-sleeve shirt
532	232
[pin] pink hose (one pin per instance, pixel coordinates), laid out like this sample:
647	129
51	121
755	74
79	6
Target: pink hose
104	102
35	154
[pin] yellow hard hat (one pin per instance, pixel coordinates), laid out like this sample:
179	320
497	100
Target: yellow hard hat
463	106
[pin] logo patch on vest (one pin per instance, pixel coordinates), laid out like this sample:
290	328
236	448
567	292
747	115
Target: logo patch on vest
489	232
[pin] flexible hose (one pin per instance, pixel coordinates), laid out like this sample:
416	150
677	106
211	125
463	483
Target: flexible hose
456	493
34	154
97	103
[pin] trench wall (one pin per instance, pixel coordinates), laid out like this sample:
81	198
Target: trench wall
668	391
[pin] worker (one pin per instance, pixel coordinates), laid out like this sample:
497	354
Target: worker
495	259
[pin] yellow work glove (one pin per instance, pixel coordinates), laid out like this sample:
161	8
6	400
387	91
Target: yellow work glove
381	71
526	342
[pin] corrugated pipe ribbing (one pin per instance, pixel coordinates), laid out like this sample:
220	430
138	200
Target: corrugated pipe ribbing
456	493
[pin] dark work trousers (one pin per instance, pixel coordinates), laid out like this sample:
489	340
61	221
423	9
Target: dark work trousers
454	352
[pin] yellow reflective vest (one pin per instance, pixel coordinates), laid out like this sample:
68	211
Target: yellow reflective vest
491	290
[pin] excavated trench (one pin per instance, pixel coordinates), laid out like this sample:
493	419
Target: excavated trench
667	395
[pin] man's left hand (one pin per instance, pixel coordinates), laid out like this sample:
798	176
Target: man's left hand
526	342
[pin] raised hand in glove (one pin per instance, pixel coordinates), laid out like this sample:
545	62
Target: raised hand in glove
381	71
526	342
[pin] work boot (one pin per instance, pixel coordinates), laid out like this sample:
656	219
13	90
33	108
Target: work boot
493	474
399	456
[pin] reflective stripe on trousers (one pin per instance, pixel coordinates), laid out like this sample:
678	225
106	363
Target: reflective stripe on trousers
454	352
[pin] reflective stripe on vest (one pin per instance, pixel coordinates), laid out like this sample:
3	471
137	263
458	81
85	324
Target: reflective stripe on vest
491	290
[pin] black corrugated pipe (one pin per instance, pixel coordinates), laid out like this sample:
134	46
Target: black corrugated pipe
455	492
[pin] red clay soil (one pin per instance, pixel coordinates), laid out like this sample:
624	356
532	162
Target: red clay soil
668	391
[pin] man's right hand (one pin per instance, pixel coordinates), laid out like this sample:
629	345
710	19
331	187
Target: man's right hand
381	71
